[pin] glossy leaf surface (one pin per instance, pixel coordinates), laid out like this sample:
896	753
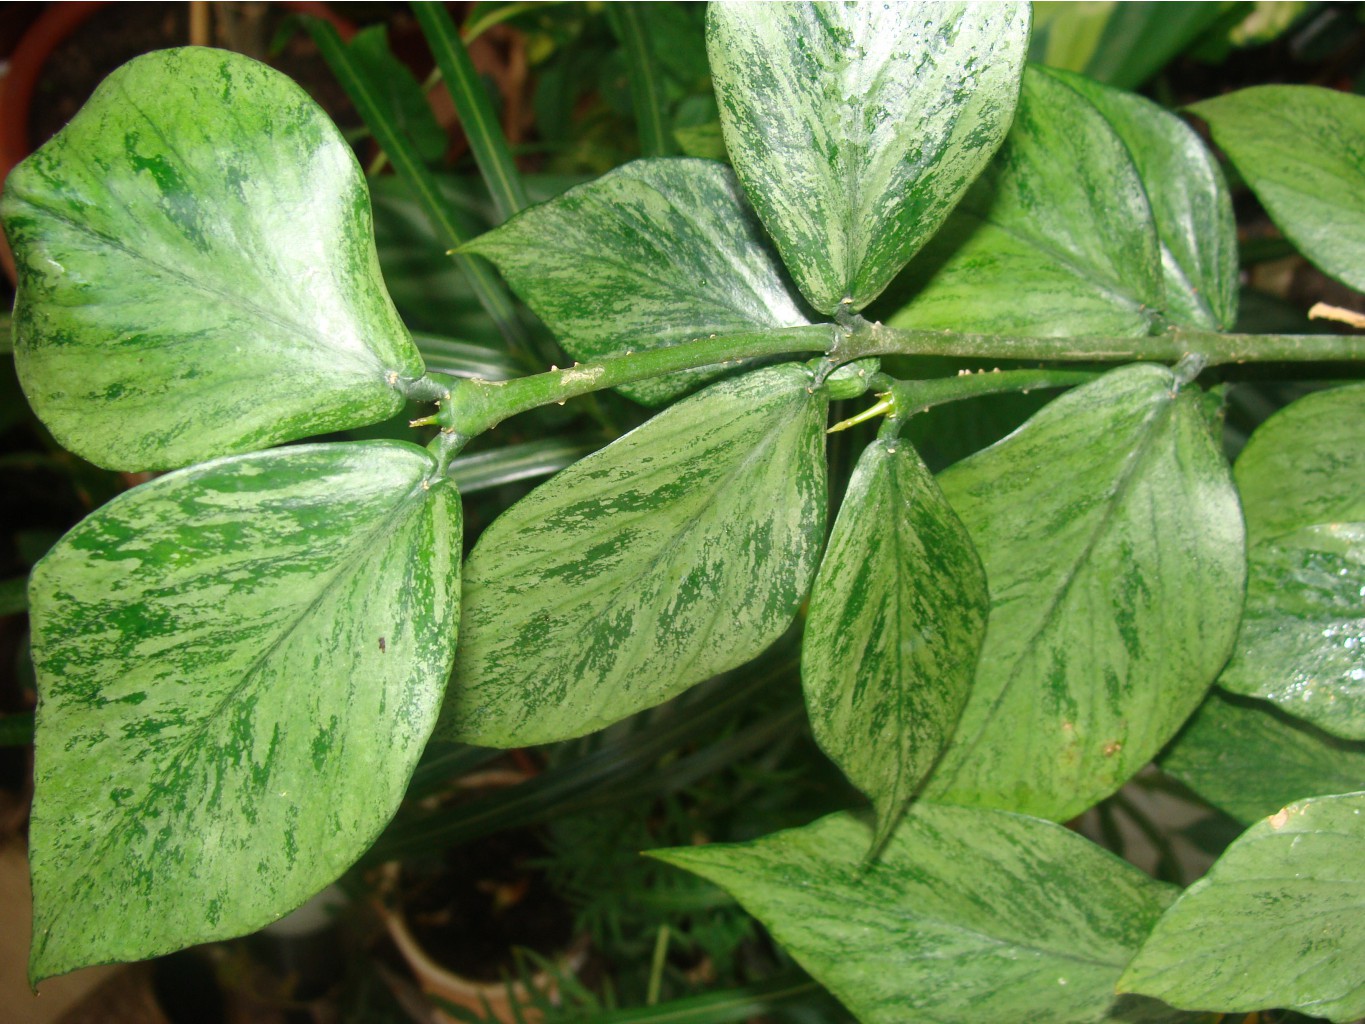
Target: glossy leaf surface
855	128
1190	204
1250	759
1056	237
679	551
1302	642
651	254
1112	540
198	274
968	915
1275	922
1298	147
896	620
239	664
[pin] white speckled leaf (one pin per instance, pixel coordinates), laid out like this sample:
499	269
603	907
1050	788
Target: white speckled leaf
1302	642
238	666
679	551
897	616
197	269
1113	546
651	254
1277	921
1055	238
967	916
855	127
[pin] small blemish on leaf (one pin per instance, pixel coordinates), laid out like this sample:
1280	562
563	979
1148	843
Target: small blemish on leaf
1280	818
383	646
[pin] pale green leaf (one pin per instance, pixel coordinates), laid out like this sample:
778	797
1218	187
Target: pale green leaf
1056	237
651	254
967	916
1190	204
855	128
679	551
238	666
197	269
897	616
1299	148
1249	759
1276	922
1302	643
1113	545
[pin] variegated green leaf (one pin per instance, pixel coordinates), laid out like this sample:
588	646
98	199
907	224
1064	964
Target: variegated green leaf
855	127
897	616
679	551
654	253
1056	237
197	269
1190	204
238	665
1298	147
1113	543
1276	922
967	916
1250	759
1302	643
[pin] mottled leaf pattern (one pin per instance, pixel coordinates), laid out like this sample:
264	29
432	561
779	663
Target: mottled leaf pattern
679	551
967	916
897	616
1190	204
1249	759
1113	544
238	665
1302	643
1056	237
855	127
1298	147
198	274
651	254
1276	922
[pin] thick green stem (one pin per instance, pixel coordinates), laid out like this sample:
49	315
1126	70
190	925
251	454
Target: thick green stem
875	339
476	405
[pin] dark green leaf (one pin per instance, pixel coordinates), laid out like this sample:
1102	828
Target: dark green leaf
390	81
1056	238
628	24
855	128
967	916
198	274
679	551
897	616
238	666
652	254
1302	643
1276	922
1112	540
13	595
1298	148
1190	204
1249	759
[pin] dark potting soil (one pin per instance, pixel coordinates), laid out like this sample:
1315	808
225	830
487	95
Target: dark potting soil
470	909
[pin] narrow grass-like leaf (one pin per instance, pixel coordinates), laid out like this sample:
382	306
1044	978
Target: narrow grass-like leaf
483	471
475	110
855	128
1113	543
651	254
897	616
679	551
1298	147
389	80
198	274
407	162
1250	759
1276	922
238	666
464	358
968	915
1056	237
1302	642
1190	204
646	78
